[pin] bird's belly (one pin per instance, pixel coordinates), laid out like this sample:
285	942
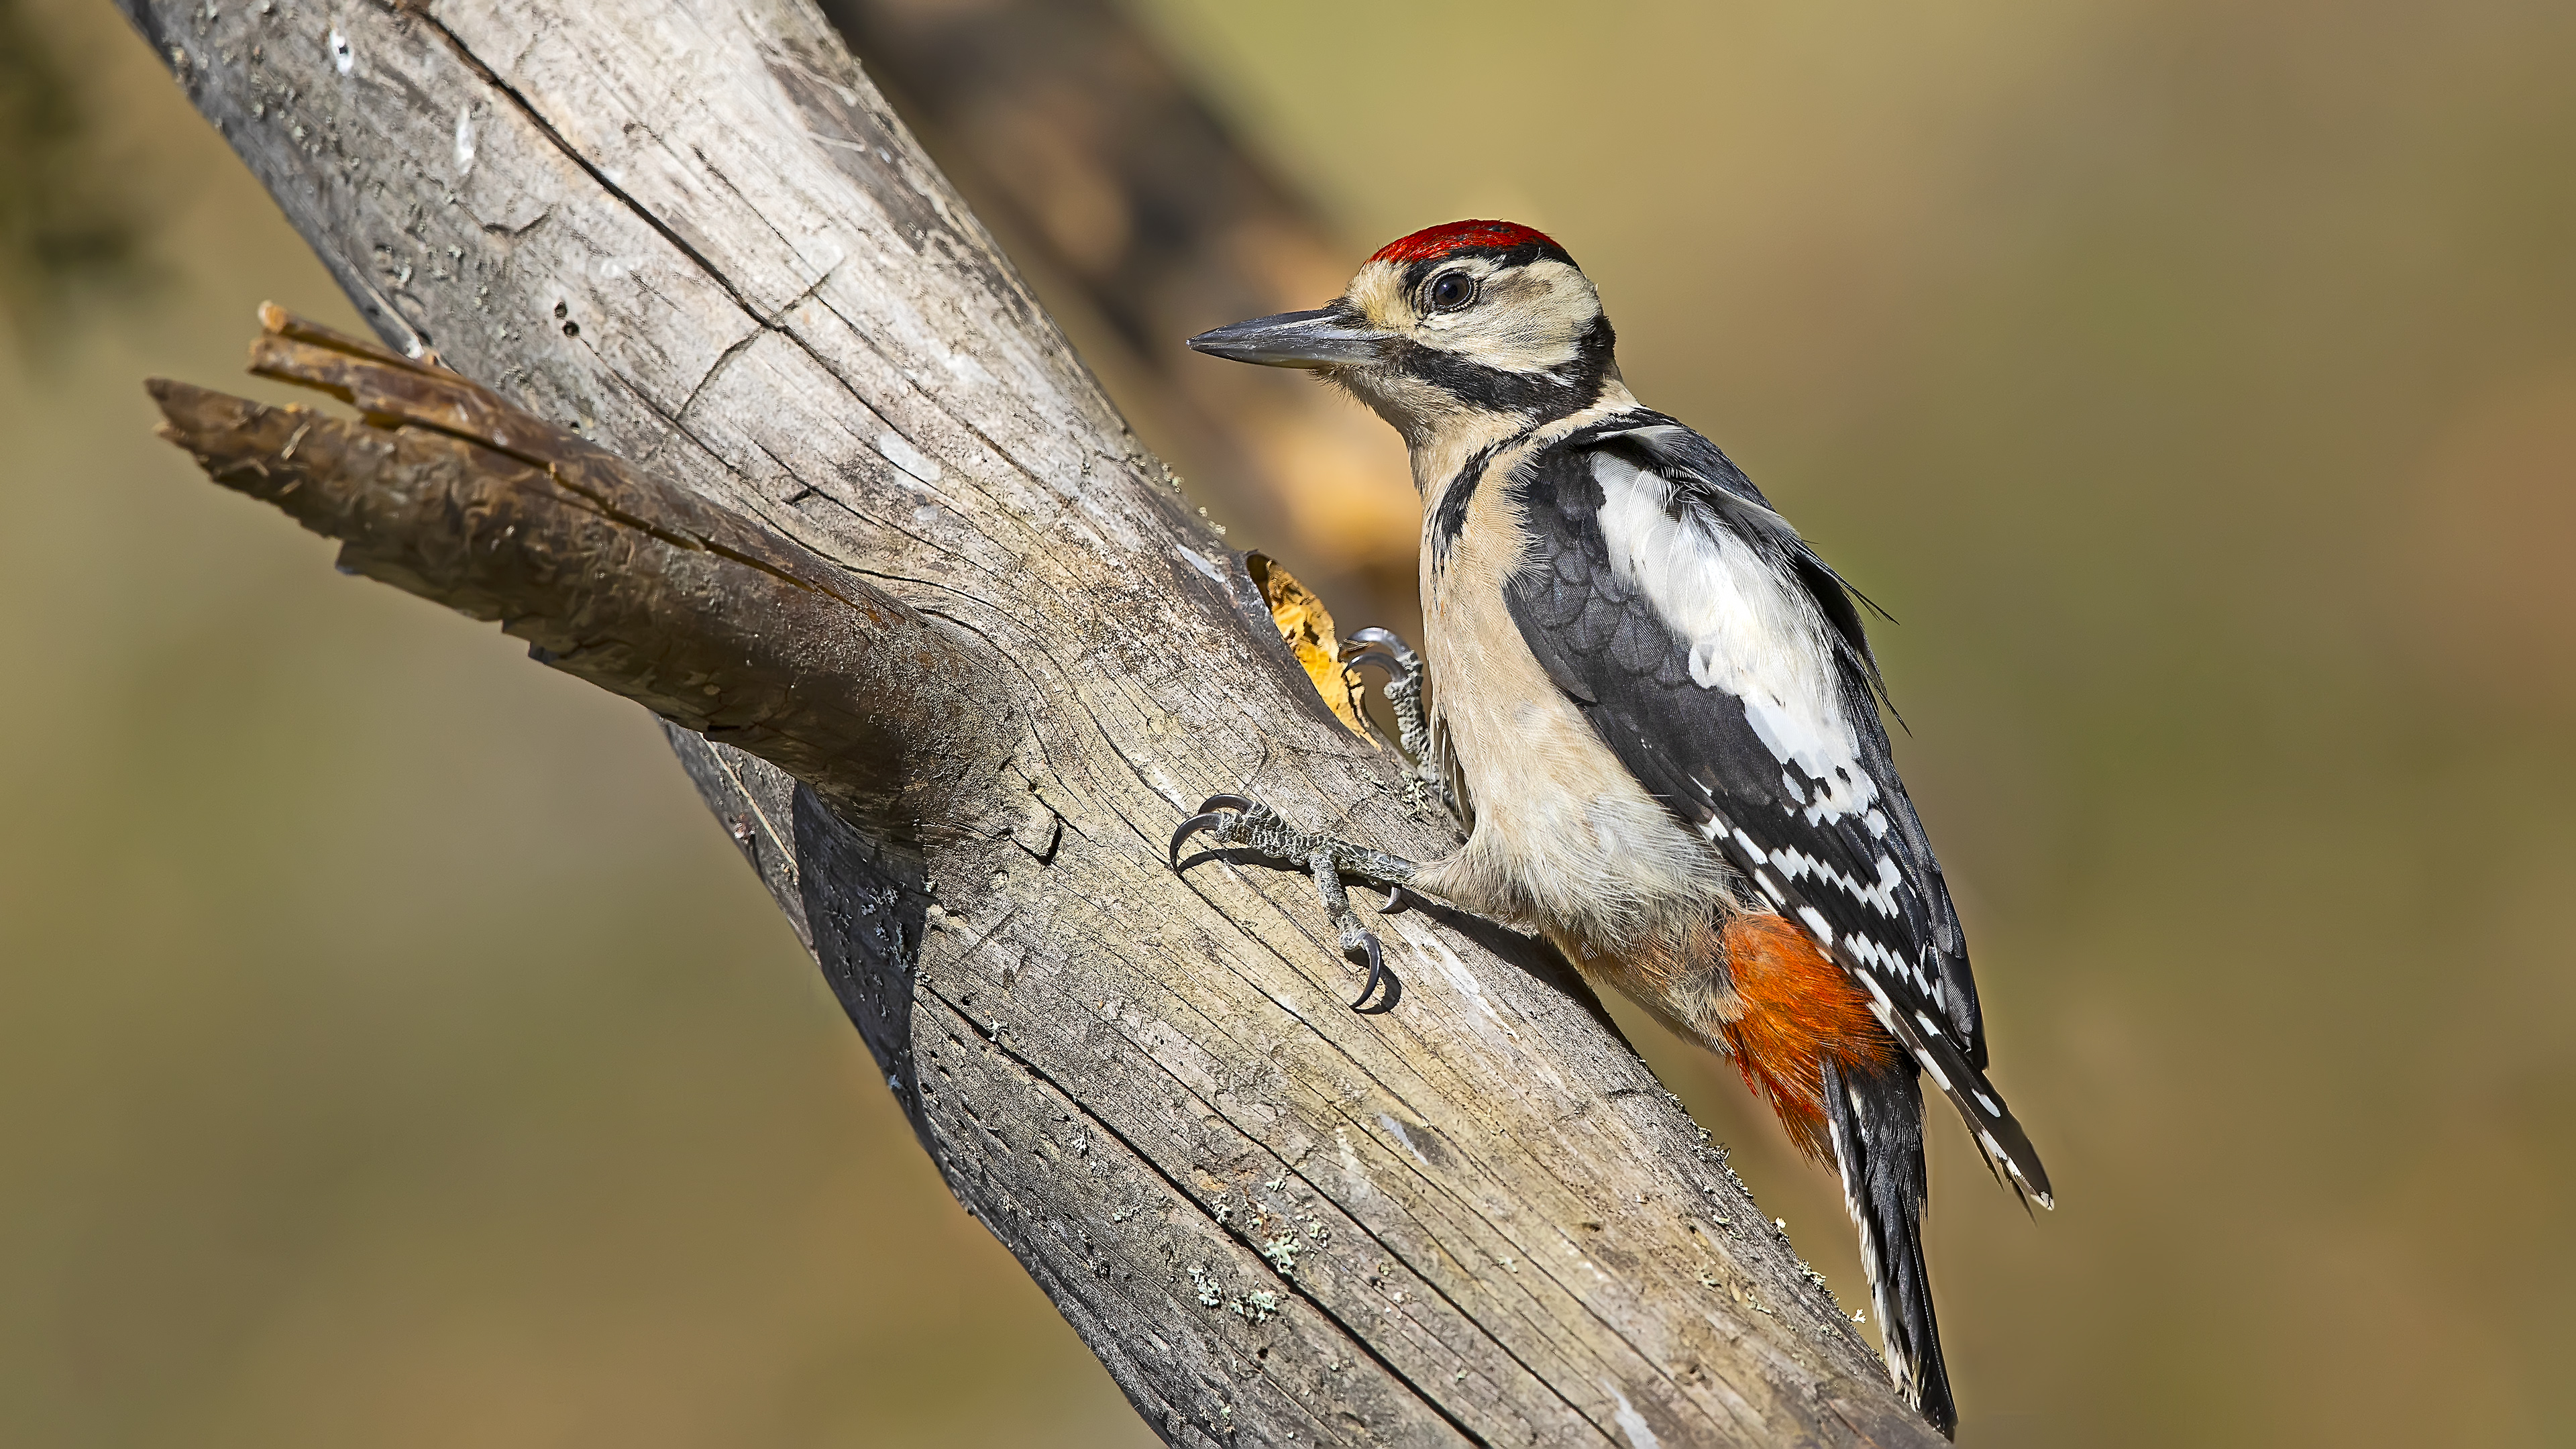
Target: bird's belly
1565	839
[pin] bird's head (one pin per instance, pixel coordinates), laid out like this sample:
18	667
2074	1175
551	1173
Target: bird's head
1468	319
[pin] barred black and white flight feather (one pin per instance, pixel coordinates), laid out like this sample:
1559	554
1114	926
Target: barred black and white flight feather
1877	1128
1728	669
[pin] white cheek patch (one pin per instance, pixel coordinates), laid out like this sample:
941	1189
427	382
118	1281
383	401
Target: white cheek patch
1531	319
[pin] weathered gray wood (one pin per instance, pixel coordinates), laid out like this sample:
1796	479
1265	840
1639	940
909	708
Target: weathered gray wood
693	233
446	490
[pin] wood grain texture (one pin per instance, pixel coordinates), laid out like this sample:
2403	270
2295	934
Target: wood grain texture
693	234
447	491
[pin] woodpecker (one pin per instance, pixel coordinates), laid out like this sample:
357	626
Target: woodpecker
1655	712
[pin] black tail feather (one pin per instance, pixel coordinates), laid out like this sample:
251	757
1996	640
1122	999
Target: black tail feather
1877	1124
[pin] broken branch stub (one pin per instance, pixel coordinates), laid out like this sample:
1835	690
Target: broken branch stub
447	491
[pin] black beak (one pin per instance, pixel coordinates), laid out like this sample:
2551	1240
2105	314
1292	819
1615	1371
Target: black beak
1334	336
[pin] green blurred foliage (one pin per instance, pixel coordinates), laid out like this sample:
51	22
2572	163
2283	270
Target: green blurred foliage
396	1054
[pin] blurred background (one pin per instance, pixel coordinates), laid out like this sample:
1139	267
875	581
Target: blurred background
395	1053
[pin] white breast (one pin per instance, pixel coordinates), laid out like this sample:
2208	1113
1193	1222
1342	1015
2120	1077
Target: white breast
1565	837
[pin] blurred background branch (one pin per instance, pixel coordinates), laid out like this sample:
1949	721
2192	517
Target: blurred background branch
69	230
1138	213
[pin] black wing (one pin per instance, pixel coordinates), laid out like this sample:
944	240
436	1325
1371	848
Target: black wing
1862	880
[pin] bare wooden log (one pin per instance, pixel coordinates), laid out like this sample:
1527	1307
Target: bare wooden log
692	234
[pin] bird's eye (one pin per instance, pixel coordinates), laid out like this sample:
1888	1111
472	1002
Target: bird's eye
1450	291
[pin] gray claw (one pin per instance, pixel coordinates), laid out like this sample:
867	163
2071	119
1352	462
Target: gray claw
1377	968
1212	811
1404	685
1380	647
1383	649
1377	973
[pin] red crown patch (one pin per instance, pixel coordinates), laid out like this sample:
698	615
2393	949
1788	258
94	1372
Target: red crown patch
1459	236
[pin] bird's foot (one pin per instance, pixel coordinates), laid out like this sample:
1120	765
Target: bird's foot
1406	688
1232	820
1386	650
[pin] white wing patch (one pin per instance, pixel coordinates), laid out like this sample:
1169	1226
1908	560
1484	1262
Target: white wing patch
1751	633
1756	635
